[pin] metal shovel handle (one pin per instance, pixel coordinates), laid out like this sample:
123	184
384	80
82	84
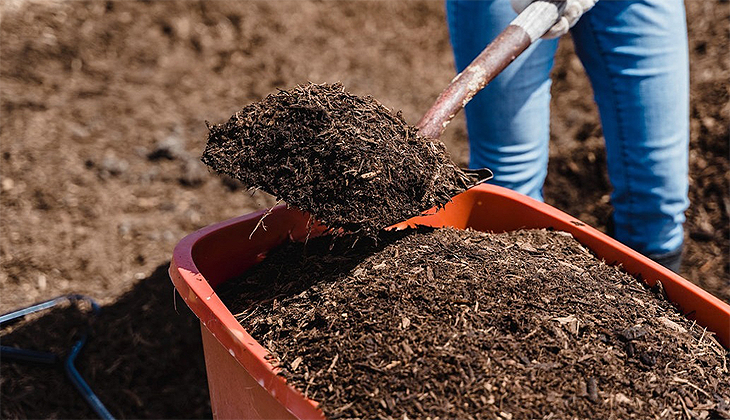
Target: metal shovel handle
525	29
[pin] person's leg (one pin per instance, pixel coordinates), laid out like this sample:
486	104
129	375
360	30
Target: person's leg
509	121
635	53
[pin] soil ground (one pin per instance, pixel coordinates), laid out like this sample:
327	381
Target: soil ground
102	123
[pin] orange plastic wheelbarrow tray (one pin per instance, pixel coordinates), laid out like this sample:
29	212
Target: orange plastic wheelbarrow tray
243	384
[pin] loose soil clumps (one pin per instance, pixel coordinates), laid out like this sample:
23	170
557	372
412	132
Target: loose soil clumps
462	324
347	160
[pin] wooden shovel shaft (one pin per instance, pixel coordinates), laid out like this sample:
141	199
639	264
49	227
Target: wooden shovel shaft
530	25
502	51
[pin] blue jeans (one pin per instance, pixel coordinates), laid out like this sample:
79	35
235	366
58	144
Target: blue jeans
635	54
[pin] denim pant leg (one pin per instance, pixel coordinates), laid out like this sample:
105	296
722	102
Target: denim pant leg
509	121
635	53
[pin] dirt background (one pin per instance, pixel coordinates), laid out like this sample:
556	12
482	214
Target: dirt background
102	122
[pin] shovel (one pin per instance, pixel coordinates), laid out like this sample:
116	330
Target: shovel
525	29
340	205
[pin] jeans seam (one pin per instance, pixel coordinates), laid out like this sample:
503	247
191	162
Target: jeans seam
619	118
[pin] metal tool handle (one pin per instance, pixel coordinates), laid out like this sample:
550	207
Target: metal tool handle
525	29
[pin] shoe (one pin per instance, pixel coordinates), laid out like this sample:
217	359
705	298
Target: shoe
672	260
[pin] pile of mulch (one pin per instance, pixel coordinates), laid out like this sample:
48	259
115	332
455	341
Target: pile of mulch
463	324
347	160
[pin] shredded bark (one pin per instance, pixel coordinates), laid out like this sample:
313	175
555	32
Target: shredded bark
463	324
347	160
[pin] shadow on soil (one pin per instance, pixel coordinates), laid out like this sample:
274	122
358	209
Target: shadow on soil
143	359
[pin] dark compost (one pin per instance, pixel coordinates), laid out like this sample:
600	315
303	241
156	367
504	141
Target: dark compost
463	324
347	160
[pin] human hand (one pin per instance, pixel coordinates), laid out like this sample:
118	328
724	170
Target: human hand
574	9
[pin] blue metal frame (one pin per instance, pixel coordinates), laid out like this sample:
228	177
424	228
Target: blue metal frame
41	357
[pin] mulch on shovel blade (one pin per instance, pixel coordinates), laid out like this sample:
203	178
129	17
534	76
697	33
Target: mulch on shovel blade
347	160
463	324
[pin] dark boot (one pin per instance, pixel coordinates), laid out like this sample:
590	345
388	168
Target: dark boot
672	260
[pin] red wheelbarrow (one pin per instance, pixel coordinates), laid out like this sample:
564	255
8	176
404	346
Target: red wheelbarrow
243	384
